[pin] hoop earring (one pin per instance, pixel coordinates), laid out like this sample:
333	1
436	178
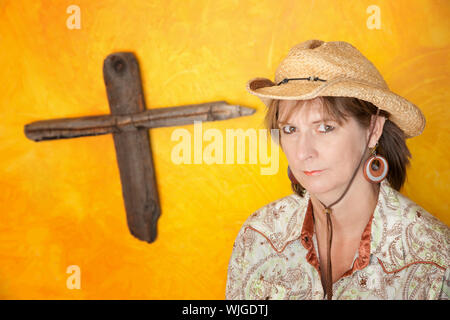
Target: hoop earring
376	167
291	176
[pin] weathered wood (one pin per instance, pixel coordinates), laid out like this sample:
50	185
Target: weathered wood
133	148
159	117
129	122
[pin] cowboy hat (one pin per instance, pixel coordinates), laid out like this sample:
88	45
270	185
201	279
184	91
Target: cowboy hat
317	68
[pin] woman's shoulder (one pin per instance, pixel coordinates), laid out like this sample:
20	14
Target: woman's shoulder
278	209
279	221
412	213
411	232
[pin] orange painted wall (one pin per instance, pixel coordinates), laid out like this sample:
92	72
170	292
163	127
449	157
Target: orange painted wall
61	201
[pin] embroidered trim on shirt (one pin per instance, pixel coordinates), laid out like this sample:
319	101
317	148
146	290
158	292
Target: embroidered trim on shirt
270	242
410	264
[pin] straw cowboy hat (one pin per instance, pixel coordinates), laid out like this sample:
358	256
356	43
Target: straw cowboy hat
316	68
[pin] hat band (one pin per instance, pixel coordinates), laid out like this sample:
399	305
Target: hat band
312	78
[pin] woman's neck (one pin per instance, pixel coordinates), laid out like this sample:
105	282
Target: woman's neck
351	214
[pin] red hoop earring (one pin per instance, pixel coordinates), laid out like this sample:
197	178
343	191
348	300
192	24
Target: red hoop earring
376	167
291	176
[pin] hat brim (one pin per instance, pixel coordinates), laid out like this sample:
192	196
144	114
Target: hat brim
403	113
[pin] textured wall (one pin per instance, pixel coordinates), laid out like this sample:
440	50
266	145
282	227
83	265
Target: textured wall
61	201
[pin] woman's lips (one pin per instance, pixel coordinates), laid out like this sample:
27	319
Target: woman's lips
312	173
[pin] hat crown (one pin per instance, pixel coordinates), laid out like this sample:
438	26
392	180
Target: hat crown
328	61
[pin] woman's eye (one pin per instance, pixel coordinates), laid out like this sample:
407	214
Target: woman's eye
326	128
288	129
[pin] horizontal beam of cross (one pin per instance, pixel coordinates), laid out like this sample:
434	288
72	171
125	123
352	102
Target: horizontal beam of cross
154	118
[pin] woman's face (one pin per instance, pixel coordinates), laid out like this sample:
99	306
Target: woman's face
312	143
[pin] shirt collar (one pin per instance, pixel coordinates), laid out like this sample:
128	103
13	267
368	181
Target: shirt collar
363	258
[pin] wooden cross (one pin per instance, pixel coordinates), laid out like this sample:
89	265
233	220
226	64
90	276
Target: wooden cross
129	122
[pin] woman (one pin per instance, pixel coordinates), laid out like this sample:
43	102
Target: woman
346	232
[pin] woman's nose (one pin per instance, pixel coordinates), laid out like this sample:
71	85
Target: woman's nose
306	147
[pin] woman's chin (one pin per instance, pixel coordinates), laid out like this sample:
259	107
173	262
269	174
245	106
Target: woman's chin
316	187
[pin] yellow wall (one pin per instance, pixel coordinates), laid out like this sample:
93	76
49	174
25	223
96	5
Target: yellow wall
61	201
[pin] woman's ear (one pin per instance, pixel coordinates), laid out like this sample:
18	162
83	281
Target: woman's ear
377	131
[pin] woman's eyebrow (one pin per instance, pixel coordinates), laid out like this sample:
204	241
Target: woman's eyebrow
280	123
323	120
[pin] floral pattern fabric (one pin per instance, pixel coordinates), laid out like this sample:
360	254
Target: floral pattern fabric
404	254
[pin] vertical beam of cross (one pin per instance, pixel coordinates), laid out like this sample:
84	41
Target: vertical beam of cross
133	148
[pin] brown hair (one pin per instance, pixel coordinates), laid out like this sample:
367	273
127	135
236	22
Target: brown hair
391	145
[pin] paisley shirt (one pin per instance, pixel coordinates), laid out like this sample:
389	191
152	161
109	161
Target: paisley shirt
403	254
